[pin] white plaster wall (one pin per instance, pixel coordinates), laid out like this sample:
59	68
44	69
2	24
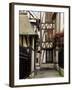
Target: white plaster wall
32	62
43	53
61	22
57	23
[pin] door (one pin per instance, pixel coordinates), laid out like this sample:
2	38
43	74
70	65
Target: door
24	62
49	56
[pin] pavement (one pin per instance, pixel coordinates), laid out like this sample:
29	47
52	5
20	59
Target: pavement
46	73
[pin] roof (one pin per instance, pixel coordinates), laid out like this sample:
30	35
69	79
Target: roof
25	26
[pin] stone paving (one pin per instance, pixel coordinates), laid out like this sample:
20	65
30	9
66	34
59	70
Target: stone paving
46	73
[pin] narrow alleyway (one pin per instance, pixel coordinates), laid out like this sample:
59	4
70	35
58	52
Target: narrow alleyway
41	44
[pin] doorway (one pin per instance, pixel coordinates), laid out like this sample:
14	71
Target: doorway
49	56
